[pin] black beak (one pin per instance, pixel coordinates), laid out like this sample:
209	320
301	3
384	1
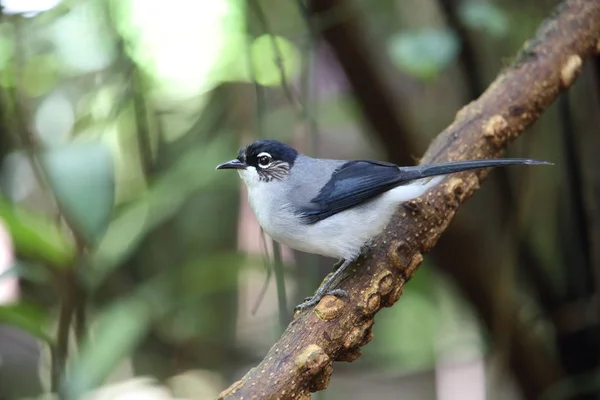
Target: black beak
233	164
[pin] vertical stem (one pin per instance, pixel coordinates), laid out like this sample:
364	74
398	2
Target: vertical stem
280	280
65	282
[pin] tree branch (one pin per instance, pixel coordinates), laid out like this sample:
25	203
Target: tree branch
302	360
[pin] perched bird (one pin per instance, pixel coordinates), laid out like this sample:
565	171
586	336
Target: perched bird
333	207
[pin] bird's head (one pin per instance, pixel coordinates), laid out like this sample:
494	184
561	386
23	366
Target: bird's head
263	161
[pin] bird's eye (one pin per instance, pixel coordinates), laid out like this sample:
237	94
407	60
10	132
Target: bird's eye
264	159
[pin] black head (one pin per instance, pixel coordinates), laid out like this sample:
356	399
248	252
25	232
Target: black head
270	158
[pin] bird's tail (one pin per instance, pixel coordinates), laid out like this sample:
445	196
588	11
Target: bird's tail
427	170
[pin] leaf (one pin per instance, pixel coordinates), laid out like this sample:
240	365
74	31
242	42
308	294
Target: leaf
41	74
485	16
425	53
118	332
26	317
7	46
163	200
267	65
407	334
82	176
36	237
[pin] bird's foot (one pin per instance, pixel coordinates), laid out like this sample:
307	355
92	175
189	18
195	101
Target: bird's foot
314	300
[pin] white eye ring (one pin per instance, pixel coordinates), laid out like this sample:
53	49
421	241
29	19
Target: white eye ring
264	156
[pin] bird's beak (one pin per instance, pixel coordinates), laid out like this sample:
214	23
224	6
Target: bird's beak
233	164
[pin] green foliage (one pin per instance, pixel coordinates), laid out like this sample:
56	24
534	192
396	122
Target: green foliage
160	202
82	178
41	74
7	50
7	47
272	54
27	317
118	332
27	271
425	53
37	237
485	16
407	332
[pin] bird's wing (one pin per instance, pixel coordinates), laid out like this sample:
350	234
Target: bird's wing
355	182
352	183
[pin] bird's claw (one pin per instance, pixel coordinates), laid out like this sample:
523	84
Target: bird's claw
314	300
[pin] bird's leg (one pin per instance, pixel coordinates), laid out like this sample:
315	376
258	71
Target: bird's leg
338	264
324	289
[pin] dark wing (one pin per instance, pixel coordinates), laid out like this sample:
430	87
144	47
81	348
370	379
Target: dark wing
358	181
351	184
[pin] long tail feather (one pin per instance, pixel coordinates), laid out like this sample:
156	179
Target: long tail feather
424	171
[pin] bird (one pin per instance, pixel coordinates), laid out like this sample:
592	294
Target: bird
334	208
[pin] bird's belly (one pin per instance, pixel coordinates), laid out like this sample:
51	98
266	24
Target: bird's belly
342	235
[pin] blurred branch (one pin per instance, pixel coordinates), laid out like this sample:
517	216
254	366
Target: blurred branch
373	94
136	87
280	283
278	57
66	281
467	57
581	272
576	333
302	360
528	260
498	307
277	264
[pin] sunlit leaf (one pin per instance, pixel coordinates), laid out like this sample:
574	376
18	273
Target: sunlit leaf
41	74
26	317
117	334
82	176
175	68
267	64
36	237
485	16
424	54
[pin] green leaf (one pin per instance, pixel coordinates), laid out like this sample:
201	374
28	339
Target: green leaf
407	333
163	200
7	48
41	74
484	16
27	317
267	65
118	332
424	54
82	176
36	237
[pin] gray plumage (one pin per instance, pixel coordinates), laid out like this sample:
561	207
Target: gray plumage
277	208
333	207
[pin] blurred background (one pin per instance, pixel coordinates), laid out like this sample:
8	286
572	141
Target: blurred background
130	267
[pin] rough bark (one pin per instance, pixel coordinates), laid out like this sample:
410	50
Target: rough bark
302	360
